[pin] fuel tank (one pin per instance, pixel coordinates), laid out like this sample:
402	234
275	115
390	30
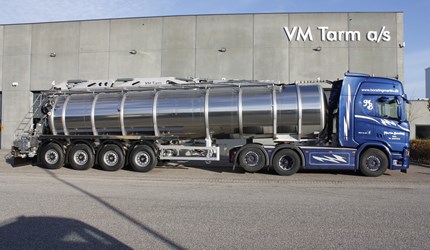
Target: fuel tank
261	111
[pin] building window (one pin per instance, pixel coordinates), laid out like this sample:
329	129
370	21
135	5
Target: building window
422	131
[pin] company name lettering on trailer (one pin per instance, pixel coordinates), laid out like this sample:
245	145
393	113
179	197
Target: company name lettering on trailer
297	33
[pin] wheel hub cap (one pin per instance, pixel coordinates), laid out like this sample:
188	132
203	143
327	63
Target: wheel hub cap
142	159
285	163
111	158
81	157
252	158
373	163
51	156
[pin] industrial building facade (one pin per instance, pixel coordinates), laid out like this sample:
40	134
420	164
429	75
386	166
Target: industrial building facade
281	47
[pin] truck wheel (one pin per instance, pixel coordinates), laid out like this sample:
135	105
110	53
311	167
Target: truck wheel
111	157
52	156
373	162
142	158
286	162
252	159
81	157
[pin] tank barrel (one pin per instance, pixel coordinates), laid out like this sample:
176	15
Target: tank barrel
191	110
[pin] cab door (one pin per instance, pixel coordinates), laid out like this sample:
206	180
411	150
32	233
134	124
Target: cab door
365	118
393	127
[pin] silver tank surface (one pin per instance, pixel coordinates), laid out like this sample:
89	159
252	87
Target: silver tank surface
283	112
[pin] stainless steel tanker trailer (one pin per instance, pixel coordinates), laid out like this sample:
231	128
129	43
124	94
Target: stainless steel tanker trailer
140	122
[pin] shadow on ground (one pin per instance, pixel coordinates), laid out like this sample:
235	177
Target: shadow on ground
18	162
222	166
146	229
54	233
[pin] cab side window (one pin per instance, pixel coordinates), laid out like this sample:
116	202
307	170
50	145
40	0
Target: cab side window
387	107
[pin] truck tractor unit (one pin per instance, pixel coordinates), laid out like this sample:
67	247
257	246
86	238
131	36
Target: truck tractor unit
140	122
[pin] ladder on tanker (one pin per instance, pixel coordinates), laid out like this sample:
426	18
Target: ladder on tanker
25	127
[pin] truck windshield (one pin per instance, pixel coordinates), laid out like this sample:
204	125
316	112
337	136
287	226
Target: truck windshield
387	107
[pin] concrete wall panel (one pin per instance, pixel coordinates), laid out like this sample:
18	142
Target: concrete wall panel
21	102
271	64
94	36
143	64
17	40
45	69
55	38
178	63
1	56
1	40
1	73
373	22
16	101
94	66
229	31
16	69
400	47
7	133
135	34
333	22
269	32
377	61
327	64
235	63
232	32
179	32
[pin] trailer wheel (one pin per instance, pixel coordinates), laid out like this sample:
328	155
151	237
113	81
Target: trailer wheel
286	162
111	157
252	159
52	156
81	157
373	162
142	158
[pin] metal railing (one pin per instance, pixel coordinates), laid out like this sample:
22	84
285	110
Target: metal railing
25	127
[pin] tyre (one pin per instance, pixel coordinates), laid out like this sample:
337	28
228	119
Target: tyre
142	158
252	159
52	156
373	162
286	162
81	157
111	157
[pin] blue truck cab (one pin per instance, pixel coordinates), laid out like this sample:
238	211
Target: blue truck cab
379	119
372	129
366	130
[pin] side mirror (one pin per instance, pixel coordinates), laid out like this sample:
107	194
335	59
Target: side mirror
405	98
399	114
399	108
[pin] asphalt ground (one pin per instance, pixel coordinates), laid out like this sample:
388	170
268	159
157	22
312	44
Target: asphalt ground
197	206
